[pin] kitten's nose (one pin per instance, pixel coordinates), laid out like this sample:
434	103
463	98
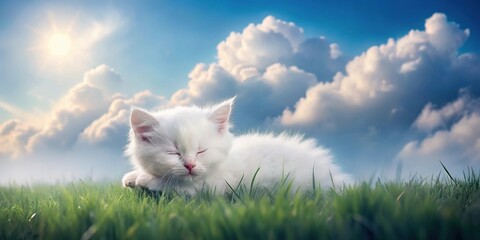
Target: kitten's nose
189	166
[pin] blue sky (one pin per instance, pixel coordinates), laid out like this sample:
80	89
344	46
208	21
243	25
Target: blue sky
173	50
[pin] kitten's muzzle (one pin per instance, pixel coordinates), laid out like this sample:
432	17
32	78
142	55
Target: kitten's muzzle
189	166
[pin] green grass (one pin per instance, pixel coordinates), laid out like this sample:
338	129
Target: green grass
418	209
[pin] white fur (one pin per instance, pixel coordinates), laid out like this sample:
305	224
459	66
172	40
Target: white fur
156	137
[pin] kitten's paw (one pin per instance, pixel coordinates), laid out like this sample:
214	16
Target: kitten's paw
149	182
129	179
155	184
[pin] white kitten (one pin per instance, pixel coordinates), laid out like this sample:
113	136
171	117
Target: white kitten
185	149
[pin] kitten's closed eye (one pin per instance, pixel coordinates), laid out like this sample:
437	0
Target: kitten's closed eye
174	153
202	151
179	154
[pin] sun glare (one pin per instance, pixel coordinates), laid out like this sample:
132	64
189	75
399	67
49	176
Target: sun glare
59	44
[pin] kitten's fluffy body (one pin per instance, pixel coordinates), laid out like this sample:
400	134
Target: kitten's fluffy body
185	149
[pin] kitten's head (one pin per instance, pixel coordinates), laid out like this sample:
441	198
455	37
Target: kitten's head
182	143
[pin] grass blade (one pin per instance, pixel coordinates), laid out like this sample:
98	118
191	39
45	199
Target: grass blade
331	179
253	181
448	173
233	190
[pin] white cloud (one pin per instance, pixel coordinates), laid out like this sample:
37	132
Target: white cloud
259	45
457	146
431	118
278	86
206	82
445	36
70	115
104	78
272	61
386	78
274	41
66	147
289	30
366	113
335	51
112	127
14	135
253	48
89	113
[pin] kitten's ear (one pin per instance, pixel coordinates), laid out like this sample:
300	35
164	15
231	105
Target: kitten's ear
220	114
142	123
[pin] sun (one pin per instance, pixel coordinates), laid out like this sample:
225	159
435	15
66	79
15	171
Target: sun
59	44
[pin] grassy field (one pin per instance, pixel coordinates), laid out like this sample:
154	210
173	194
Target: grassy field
418	209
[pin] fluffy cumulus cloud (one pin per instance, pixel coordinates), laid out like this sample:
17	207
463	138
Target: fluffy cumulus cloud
112	127
273	41
81	137
451	136
14	135
104	78
74	111
392	86
79	111
431	118
82	104
272	60
384	78
260	45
